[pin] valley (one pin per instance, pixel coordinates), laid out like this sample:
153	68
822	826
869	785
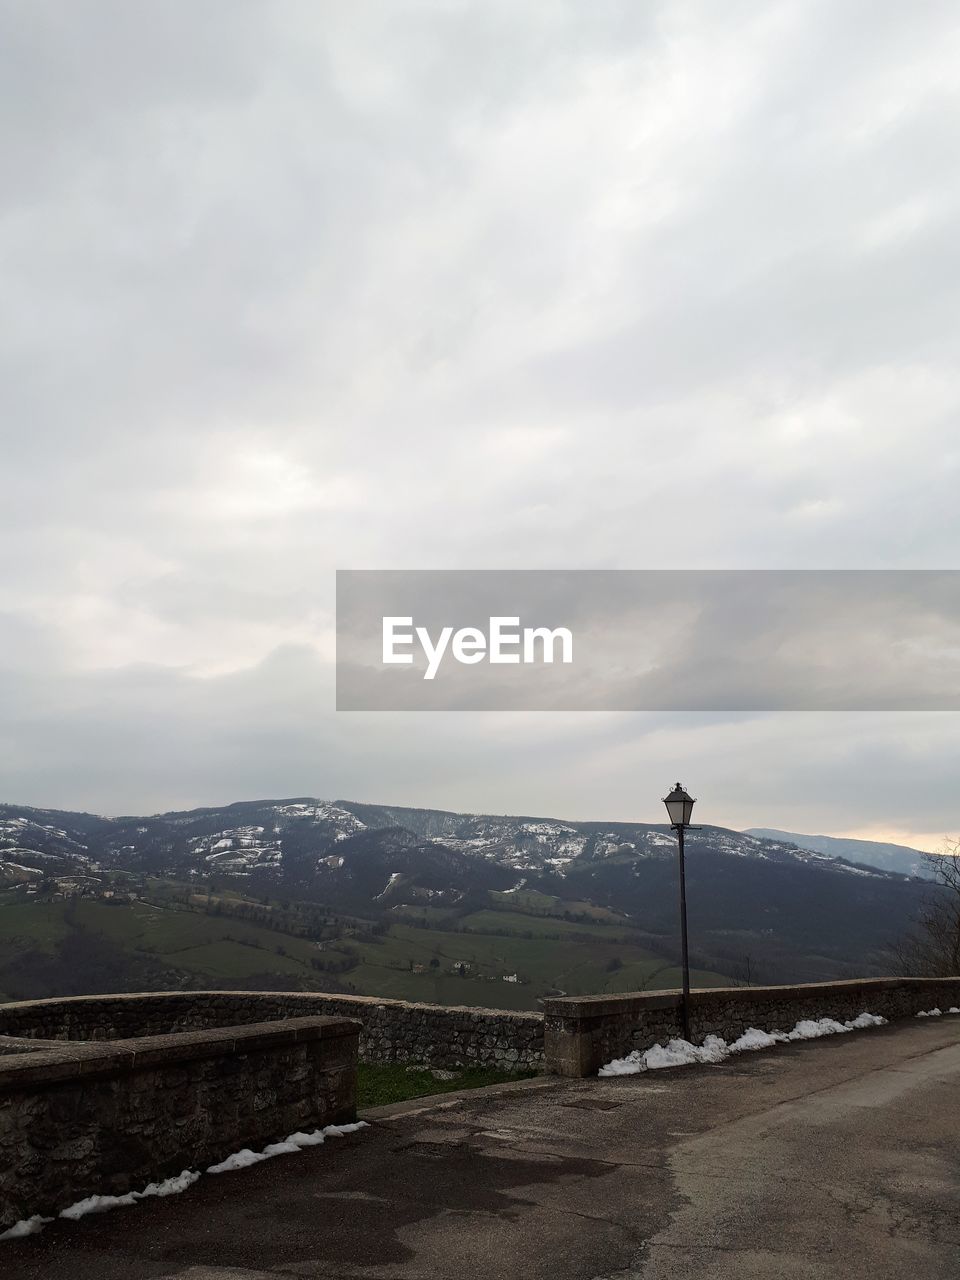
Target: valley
420	904
504	959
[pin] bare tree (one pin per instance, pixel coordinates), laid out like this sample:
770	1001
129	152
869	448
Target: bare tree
742	973
933	949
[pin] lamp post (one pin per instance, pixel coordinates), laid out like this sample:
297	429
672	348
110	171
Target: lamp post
680	809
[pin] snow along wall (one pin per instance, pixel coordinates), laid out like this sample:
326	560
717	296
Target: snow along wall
583	1033
106	1117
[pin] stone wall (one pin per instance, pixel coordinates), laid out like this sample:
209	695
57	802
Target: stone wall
79	1119
581	1034
393	1030
104	1094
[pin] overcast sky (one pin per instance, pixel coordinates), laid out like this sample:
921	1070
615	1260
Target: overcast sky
293	285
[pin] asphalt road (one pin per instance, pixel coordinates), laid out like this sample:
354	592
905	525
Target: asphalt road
836	1158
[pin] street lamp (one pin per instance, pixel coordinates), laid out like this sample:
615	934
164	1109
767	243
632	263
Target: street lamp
680	810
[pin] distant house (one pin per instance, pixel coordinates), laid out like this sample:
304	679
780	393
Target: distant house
419	968
510	977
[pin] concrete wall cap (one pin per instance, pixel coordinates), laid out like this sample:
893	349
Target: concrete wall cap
56	1061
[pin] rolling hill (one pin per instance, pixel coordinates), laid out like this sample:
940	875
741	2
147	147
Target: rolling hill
872	853
424	903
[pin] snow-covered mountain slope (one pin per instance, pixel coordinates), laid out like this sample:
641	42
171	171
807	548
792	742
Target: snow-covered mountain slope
551	845
875	853
329	841
20	833
799	911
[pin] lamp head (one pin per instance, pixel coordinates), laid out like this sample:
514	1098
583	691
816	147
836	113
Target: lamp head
679	806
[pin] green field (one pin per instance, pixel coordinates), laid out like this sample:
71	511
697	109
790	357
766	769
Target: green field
163	942
543	926
578	963
379	1085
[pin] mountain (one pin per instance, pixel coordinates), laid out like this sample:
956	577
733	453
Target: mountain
871	853
758	903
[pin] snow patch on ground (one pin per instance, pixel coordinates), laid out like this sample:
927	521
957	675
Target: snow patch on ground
173	1186
290	1146
100	1204
394	877
681	1053
25	1227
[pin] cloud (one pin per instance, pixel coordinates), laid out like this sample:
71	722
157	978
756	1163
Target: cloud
449	284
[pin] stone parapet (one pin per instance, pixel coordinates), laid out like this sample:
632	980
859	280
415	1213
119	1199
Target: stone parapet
107	1117
583	1033
393	1030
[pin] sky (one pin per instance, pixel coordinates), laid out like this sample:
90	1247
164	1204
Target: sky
294	286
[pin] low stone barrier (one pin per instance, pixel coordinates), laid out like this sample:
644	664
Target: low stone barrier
80	1119
393	1030
581	1034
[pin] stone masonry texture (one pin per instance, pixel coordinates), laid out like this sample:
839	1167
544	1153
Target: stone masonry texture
581	1034
103	1094
393	1030
80	1119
